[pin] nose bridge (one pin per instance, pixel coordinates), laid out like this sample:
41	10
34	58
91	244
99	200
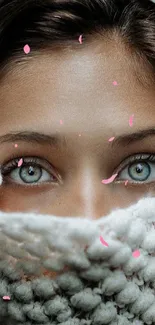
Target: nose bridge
90	190
83	194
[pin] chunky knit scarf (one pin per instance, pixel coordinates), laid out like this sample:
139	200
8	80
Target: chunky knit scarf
74	271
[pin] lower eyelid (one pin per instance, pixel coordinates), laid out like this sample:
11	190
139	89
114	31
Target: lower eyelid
132	181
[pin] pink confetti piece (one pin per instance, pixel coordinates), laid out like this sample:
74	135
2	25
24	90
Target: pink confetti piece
26	49
61	122
80	39
111	139
115	83
16	145
131	120
103	241
20	162
6	298
136	253
126	182
109	180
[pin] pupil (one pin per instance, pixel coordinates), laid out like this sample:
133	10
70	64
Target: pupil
139	168
31	172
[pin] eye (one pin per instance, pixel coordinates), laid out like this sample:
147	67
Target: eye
33	171
140	168
139	171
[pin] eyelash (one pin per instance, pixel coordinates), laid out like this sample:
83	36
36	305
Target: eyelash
35	162
27	161
135	158
138	157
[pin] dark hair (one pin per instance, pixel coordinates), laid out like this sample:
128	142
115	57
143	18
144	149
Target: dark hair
46	24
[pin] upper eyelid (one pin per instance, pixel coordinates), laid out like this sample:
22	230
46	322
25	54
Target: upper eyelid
45	164
28	159
36	161
133	158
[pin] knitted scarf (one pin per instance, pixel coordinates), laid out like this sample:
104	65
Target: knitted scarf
75	271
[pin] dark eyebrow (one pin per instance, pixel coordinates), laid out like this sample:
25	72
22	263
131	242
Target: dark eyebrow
54	140
126	139
57	140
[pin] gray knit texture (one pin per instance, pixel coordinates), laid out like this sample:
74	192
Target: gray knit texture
94	284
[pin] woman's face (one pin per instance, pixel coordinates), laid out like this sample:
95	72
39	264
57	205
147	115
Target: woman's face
79	99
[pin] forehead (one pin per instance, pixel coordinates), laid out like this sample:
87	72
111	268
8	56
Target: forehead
88	87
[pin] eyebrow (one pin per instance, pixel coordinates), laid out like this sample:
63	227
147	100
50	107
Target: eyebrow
126	139
54	140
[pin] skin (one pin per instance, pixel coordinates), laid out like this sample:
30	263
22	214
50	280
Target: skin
77	88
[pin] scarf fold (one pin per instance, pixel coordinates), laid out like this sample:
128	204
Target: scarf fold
73	271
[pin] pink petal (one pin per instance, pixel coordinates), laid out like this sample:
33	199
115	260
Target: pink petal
80	39
111	139
136	253
115	83
103	241
6	298
131	120
20	162
61	122
126	182
26	49
109	180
